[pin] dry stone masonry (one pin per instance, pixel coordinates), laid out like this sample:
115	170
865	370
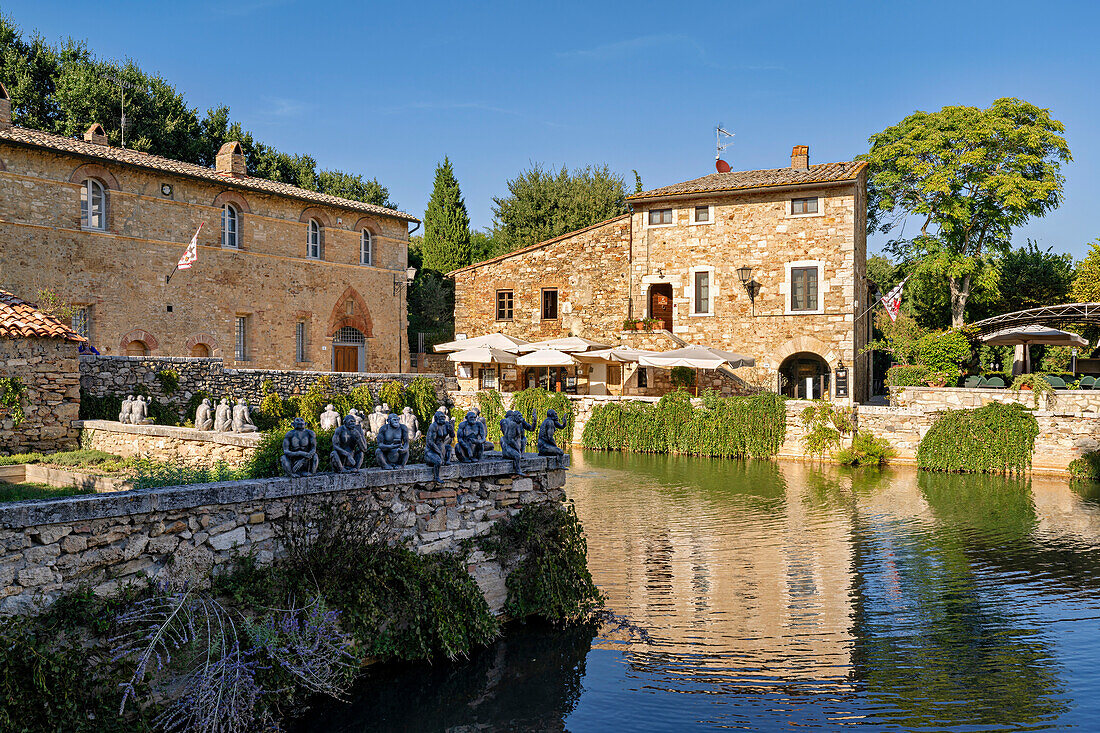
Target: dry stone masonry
47	367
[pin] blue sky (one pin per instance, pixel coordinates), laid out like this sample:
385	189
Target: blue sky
389	89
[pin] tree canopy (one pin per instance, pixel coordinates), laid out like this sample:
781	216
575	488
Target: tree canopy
971	175
1086	278
446	242
64	88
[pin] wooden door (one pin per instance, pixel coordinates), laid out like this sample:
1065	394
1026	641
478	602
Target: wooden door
347	358
660	305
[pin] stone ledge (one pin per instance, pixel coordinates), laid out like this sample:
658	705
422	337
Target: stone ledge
174	498
244	440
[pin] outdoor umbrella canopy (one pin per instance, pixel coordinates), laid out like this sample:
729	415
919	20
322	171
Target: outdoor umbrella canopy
494	340
696	357
1036	334
617	355
569	344
482	355
546	358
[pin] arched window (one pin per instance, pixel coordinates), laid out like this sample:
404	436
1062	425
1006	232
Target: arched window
200	350
137	348
230	226
313	241
366	248
93	205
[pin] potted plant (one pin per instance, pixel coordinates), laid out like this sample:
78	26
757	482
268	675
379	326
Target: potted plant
628	324
650	324
1039	387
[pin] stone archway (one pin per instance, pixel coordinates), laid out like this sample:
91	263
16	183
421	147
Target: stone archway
800	344
350	310
137	336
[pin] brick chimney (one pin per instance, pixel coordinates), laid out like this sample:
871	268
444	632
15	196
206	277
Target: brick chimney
96	135
800	157
230	160
5	108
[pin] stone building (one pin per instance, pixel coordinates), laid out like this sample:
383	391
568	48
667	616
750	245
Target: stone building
767	263
40	353
286	277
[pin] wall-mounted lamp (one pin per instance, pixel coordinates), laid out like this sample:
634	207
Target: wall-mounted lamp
660	272
744	274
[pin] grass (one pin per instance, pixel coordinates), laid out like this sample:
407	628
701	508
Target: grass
19	492
98	460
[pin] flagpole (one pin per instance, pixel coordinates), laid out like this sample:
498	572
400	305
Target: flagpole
193	242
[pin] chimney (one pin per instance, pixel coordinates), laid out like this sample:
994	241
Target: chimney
96	135
5	108
800	157
230	160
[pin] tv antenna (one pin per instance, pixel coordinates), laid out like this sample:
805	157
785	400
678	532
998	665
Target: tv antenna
719	146
123	85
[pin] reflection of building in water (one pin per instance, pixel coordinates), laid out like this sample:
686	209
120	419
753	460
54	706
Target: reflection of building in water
751	576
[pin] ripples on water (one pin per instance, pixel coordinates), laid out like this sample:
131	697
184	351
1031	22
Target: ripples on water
780	595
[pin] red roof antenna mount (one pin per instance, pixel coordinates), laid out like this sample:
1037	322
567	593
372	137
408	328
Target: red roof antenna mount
719	146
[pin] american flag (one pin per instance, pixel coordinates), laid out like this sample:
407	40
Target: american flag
191	254
892	301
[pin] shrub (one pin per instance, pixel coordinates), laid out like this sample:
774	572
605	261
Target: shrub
907	375
943	352
492	411
169	380
1085	467
541	400
423	399
995	438
682	377
392	393
866	450
825	426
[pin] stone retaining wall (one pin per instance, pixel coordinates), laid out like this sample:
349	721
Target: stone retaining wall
37	473
169	444
107	540
1066	401
47	369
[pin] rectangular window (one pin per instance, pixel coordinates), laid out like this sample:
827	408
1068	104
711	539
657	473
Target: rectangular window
300	341
614	375
643	378
702	214
487	378
803	288
702	292
504	305
549	304
658	217
804	206
241	351
82	322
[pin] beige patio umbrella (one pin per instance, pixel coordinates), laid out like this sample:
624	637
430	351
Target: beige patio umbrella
617	355
482	355
569	344
546	358
494	340
1024	336
697	357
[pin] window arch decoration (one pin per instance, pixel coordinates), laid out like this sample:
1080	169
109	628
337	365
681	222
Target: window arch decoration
231	226
93	205
357	315
138	334
368	241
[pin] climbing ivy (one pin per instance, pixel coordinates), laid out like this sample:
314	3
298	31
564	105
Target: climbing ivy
995	438
541	400
169	380
1085	467
492	411
825	426
421	397
11	398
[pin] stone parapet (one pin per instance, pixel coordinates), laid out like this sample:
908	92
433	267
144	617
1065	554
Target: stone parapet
107	540
1064	402
169	444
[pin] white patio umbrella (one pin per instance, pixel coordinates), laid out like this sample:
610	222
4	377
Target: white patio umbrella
546	358
1024	336
482	355
617	355
696	357
495	340
569	344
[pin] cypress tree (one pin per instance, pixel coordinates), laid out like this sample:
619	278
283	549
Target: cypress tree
446	242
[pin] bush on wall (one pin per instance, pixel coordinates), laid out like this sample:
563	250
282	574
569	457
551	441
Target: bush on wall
995	438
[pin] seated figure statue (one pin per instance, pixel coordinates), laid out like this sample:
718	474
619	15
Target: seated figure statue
223	417
124	413
438	444
349	447
393	444
330	418
204	420
377	419
410	421
470	443
546	444
300	450
139	411
486	444
360	420
242	418
513	439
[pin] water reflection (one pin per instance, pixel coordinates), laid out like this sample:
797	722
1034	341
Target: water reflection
788	594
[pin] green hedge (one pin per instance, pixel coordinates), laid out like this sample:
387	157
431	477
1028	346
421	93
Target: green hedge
540	400
995	438
734	427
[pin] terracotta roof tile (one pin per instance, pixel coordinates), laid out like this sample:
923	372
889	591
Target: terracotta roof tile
38	138
742	180
20	319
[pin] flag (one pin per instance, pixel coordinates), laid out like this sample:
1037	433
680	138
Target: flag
190	255
892	301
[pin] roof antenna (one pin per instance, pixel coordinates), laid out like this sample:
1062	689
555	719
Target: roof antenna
721	165
123	85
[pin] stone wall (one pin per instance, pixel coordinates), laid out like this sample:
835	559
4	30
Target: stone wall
48	370
105	541
119	274
1065	401
118	375
169	444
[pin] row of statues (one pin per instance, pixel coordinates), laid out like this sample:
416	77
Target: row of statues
442	442
372	423
135	411
225	418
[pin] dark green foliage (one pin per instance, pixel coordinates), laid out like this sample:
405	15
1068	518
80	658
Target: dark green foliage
943	352
541	400
446	243
908	375
150	474
733	427
11	398
431	308
1032	277
546	554
421	396
1086	467
995	438
19	492
866	450
100	461
392	393
682	377
492	411
169	380
109	406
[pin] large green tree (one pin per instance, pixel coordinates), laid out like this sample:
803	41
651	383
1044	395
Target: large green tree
64	88
446	242
1086	277
1032	277
971	176
542	204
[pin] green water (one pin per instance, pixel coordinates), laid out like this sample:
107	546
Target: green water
782	595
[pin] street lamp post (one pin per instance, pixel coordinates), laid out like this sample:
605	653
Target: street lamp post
398	285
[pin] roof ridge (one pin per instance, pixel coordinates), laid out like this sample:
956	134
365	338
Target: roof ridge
22	319
759	178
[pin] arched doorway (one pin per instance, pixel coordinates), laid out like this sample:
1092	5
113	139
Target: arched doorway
200	350
137	348
804	376
660	304
349	349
